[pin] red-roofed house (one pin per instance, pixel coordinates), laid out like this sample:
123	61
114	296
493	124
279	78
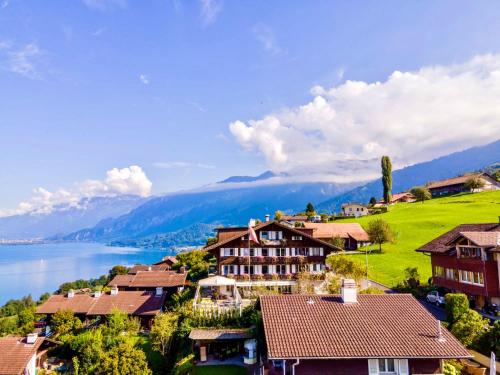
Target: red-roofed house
21	355
467	259
353	234
354	334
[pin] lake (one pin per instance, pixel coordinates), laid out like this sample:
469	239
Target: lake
40	268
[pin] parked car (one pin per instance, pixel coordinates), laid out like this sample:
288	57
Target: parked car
491	309
435	298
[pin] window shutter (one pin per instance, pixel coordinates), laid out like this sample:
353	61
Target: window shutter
221	251
373	366
403	367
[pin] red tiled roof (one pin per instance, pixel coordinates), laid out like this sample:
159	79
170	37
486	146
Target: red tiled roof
146	267
15	354
295	217
225	233
452	181
388	325
398	196
263	225
150	279
79	304
130	302
343	230
441	244
169	259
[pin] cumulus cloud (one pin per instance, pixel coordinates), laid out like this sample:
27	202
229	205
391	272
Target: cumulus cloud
411	116
129	180
144	79
265	36
22	60
182	164
210	10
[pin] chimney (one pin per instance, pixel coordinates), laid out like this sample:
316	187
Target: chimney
349	291
268	217
71	293
97	293
31	338
159	291
114	290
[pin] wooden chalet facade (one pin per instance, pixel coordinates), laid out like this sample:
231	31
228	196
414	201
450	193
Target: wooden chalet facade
457	185
467	260
282	252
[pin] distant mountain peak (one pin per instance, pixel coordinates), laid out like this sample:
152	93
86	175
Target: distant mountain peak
263	176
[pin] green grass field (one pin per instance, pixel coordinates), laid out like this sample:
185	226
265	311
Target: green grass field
416	224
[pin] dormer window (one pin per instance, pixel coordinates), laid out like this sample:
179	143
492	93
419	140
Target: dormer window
469	252
296	238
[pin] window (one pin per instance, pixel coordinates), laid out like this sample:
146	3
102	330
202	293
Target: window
438	271
470	252
265	269
386	366
451	274
315	251
281	269
229	252
297	238
265	252
470	277
280	252
271	235
316	267
301	251
228	269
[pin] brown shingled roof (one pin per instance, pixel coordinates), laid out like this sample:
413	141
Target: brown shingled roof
453	181
150	279
219	334
130	302
146	267
487	239
441	244
388	325
15	354
263	225
342	230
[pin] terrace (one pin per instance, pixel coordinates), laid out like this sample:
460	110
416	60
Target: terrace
216	295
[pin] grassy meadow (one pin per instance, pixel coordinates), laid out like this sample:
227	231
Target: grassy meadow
416	224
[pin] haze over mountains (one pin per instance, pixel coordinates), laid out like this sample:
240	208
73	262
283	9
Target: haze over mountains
187	218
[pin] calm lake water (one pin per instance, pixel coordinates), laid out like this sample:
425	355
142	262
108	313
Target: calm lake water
36	269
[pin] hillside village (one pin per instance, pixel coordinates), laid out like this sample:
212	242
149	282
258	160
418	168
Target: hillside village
289	294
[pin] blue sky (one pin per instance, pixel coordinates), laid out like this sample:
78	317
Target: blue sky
92	85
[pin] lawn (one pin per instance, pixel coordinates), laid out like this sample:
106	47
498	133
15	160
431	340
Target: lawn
216	370
416	224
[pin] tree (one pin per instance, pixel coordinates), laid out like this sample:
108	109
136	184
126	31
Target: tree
470	327
456	304
473	183
278	215
494	337
380	232
338	242
196	261
346	266
373	201
496	175
412	277
324	218
117	270
387	178
162	332
421	193
124	359
65	321
310	211
119	322
211	241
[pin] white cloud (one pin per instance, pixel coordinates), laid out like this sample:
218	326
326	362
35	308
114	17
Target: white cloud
210	10
129	180
99	31
182	165
4	4
265	36
23	61
412	116
144	79
104	4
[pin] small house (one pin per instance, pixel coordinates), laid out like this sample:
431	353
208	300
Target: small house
354	209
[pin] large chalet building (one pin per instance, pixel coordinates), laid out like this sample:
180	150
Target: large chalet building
458	185
347	334
280	254
467	259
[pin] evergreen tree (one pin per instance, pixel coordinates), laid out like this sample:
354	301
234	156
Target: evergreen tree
310	209
387	178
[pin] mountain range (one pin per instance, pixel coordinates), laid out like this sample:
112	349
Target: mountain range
187	218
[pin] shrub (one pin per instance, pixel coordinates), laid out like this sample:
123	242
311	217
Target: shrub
184	365
456	304
470	327
65	321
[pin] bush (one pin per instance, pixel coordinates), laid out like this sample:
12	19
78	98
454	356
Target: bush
184	365
456	304
470	328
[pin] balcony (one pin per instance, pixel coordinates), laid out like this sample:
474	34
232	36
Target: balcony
245	260
275	277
